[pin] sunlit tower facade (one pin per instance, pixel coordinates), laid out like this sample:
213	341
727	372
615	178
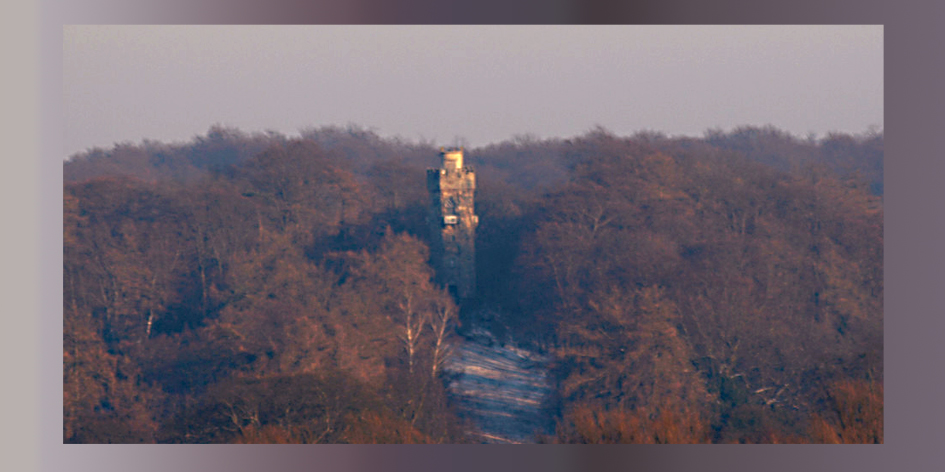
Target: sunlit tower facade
452	219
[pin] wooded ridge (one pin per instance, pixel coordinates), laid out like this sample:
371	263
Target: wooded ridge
252	287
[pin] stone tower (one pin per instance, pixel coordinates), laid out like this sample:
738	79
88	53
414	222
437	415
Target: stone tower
453	223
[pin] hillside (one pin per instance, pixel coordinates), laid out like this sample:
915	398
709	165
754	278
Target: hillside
258	288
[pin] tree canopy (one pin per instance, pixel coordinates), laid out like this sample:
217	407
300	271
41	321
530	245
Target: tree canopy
259	288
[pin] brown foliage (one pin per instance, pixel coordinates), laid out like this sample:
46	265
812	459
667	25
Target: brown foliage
854	414
589	423
663	272
268	434
301	190
763	277
627	352
104	400
372	427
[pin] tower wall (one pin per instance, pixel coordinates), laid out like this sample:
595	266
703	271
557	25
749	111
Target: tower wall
453	222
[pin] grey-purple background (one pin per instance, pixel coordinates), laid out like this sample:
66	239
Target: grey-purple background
475	84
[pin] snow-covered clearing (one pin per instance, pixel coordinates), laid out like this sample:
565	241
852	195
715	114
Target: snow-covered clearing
502	390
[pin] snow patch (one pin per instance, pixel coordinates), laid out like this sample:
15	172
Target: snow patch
502	390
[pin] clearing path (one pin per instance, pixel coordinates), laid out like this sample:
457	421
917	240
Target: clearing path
502	390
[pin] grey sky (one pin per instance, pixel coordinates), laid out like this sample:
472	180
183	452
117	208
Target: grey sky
480	83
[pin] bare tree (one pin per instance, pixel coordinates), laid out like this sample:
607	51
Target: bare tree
442	322
413	322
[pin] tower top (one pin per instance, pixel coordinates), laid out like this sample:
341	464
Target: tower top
452	157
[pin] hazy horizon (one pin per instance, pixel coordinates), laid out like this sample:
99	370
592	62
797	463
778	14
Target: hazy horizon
473	84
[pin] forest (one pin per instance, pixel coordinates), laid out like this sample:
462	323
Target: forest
259	288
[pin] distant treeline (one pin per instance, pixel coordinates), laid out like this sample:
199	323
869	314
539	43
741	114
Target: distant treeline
526	160
260	288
